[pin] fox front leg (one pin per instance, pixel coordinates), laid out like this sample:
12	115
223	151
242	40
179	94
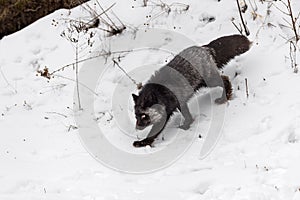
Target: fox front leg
188	119
156	129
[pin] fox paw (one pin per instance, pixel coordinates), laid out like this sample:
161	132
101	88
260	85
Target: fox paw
143	143
220	100
185	126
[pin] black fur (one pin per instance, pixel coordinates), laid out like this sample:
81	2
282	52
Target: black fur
225	48
173	85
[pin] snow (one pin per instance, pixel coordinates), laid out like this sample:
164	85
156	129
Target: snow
257	156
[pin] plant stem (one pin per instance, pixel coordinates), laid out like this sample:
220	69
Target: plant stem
76	68
241	16
293	20
247	90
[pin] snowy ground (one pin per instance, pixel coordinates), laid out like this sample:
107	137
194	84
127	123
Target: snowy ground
258	156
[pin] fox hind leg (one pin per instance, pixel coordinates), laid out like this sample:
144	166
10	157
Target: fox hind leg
227	90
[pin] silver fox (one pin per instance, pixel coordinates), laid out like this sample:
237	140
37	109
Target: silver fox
174	84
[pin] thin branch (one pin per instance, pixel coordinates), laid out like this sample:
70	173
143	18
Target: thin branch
145	2
118	65
118	18
76	73
247	89
252	7
297	17
105	13
89	58
285	4
293	57
55	87
65	116
286	39
290	25
63	77
239	30
264	22
89	9
285	26
293	20
5	79
241	16
280	9
165	8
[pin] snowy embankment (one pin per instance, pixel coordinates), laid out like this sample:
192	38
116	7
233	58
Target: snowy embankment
41	156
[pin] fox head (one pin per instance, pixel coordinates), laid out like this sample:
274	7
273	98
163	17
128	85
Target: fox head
147	110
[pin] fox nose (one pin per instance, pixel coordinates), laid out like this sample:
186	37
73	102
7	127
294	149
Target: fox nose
138	127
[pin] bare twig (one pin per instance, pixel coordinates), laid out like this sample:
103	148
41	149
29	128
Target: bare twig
53	88
103	12
293	57
244	6
113	25
123	25
77	81
280	9
138	85
289	24
285	4
254	9
265	20
239	29
145	2
5	79
247	90
72	127
83	85
89	58
101	19
113	29
65	116
165	8
294	26
242	19
293	21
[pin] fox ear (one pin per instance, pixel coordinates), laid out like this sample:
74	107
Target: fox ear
135	97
